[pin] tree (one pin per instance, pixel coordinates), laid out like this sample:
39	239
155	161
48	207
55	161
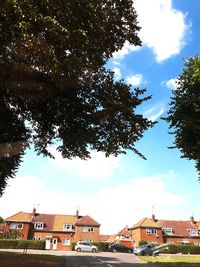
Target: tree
1	220
184	113
54	84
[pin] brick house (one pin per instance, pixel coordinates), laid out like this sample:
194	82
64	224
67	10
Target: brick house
124	237
166	231
59	231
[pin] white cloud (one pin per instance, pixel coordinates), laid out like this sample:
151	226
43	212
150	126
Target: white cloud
117	73
99	166
112	206
171	84
126	49
163	27
135	80
154	113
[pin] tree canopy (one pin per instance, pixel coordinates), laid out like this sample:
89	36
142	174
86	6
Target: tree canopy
184	113
53	81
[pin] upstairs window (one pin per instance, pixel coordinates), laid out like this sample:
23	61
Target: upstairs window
193	232
15	226
67	227
88	229
167	230
151	231
39	225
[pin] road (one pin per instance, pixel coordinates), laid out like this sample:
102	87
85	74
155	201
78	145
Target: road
103	259
86	259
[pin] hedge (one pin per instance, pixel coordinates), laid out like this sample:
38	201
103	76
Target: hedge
184	249
22	244
102	246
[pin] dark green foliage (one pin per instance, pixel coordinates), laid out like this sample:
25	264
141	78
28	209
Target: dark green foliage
22	244
142	242
184	249
184	113
102	246
1	220
53	84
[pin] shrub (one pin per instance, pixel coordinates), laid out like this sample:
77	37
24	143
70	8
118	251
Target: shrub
142	242
73	245
102	246
184	249
21	244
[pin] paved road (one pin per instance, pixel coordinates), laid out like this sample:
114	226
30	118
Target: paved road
103	259
86	259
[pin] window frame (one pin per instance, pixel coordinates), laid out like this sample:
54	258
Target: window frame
39	227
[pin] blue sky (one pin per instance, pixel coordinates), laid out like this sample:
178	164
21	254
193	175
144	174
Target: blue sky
120	191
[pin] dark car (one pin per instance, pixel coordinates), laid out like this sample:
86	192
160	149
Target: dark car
119	248
147	249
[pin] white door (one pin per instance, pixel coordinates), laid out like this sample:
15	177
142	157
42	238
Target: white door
55	241
48	243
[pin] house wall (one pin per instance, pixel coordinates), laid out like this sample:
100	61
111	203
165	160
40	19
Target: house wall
59	236
93	236
154	238
136	237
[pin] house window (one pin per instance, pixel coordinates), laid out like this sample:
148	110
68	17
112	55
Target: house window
167	231
193	232
20	226
88	229
13	225
39	225
151	231
66	242
67	227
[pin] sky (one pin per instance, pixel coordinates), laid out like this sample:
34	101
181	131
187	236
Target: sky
119	191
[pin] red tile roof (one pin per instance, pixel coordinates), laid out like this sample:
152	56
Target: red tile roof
87	221
124	232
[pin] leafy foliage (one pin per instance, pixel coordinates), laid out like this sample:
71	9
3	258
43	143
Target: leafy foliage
184	113
54	86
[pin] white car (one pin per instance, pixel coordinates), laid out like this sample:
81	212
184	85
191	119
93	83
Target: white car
85	246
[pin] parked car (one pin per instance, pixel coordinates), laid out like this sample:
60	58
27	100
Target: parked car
85	246
119	248
147	249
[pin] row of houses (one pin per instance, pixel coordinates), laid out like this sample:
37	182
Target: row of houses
60	231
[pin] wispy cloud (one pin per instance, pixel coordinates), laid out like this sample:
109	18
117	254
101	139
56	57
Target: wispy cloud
135	79
126	49
164	29
99	166
171	84
117	73
154	113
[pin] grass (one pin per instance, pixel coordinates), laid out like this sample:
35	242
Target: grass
173	260
10	259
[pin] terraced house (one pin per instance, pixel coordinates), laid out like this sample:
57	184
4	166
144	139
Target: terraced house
166	231
59	231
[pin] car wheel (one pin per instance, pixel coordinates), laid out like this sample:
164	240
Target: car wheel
78	250
130	251
114	250
94	250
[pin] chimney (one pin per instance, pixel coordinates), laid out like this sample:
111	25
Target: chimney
34	212
77	214
192	219
153	217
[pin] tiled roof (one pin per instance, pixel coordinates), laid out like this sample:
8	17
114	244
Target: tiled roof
20	217
60	220
179	228
107	238
145	222
124	232
47	219
87	221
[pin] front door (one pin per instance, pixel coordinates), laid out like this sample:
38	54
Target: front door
55	241
48	243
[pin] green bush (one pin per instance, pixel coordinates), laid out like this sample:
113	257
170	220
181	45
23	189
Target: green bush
21	244
102	246
184	249
142	242
73	245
